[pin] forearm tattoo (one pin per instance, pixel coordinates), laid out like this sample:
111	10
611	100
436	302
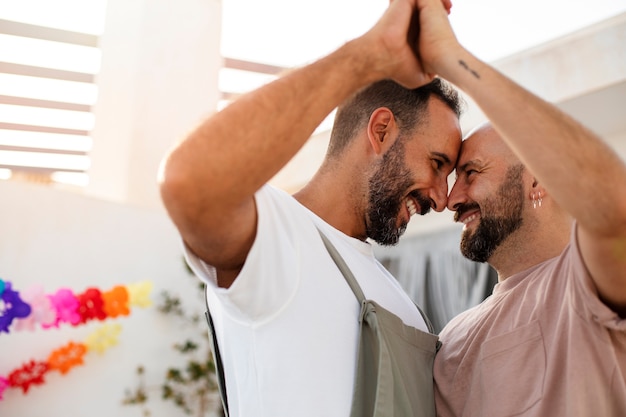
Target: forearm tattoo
464	65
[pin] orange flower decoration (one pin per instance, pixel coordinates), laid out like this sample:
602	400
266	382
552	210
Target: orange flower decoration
65	358
116	302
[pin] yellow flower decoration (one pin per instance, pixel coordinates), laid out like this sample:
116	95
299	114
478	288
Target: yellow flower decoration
139	293
103	338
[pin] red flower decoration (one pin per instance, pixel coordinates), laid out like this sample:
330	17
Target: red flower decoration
29	374
65	358
116	302
91	305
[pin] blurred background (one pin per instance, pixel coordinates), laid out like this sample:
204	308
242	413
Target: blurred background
92	94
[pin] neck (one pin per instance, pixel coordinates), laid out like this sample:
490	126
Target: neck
531	245
337	199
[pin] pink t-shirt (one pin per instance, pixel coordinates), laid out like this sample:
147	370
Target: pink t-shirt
543	344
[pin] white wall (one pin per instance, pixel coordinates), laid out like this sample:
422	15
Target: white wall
160	61
59	239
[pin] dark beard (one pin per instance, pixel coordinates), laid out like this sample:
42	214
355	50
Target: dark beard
386	197
494	228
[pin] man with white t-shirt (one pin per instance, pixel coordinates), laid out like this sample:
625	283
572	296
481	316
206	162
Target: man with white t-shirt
306	321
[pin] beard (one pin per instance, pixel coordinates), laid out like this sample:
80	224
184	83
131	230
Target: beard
387	187
500	217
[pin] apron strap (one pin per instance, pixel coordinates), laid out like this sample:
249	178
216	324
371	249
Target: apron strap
219	366
343	267
352	282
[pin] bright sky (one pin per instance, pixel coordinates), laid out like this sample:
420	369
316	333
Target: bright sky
288	33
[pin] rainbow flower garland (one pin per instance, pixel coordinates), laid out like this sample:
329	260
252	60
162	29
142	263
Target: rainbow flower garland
62	359
33	308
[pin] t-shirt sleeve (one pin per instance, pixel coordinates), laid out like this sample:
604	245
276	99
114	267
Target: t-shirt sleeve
270	274
586	290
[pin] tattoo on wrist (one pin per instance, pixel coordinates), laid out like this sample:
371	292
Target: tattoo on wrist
464	65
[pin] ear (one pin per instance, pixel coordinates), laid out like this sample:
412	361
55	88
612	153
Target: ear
537	192
381	130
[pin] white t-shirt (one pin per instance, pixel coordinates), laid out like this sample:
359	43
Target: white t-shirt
288	326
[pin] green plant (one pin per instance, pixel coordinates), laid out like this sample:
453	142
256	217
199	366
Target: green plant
193	386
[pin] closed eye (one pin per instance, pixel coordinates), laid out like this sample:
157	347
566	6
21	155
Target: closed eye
440	160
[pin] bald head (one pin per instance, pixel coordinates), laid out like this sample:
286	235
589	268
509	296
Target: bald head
485	144
504	208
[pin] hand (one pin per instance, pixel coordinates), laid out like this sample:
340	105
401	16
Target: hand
388	50
436	40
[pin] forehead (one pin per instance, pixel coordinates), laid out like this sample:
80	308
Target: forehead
483	146
442	130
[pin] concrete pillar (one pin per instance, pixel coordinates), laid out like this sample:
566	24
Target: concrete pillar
158	79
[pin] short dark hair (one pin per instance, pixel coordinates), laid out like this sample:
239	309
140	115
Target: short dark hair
407	105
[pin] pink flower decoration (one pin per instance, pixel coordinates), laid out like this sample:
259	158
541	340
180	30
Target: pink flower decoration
42	311
66	305
4	384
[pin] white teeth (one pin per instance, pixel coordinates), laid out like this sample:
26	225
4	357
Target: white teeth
411	206
470	218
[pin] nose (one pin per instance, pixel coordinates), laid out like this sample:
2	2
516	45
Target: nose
439	196
457	196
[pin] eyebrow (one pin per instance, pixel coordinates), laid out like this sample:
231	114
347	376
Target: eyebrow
443	156
473	162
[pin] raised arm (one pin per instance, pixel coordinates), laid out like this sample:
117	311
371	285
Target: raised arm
208	180
584	175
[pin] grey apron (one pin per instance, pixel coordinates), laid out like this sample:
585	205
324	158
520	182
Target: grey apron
395	361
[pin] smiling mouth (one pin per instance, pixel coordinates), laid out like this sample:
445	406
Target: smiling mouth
465	213
410	205
470	218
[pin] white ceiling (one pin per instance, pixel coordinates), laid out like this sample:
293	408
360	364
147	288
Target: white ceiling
289	33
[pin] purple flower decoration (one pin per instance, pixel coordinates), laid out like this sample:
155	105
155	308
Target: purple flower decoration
12	307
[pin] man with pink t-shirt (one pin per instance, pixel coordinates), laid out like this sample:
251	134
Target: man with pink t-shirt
543	200
551	339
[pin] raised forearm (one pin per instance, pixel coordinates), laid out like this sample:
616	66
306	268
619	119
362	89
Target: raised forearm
233	153
581	172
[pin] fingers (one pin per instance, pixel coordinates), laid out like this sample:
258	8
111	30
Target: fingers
447	4
411	38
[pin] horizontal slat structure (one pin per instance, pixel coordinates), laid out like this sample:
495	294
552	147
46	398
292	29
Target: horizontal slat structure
239	76
47	90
